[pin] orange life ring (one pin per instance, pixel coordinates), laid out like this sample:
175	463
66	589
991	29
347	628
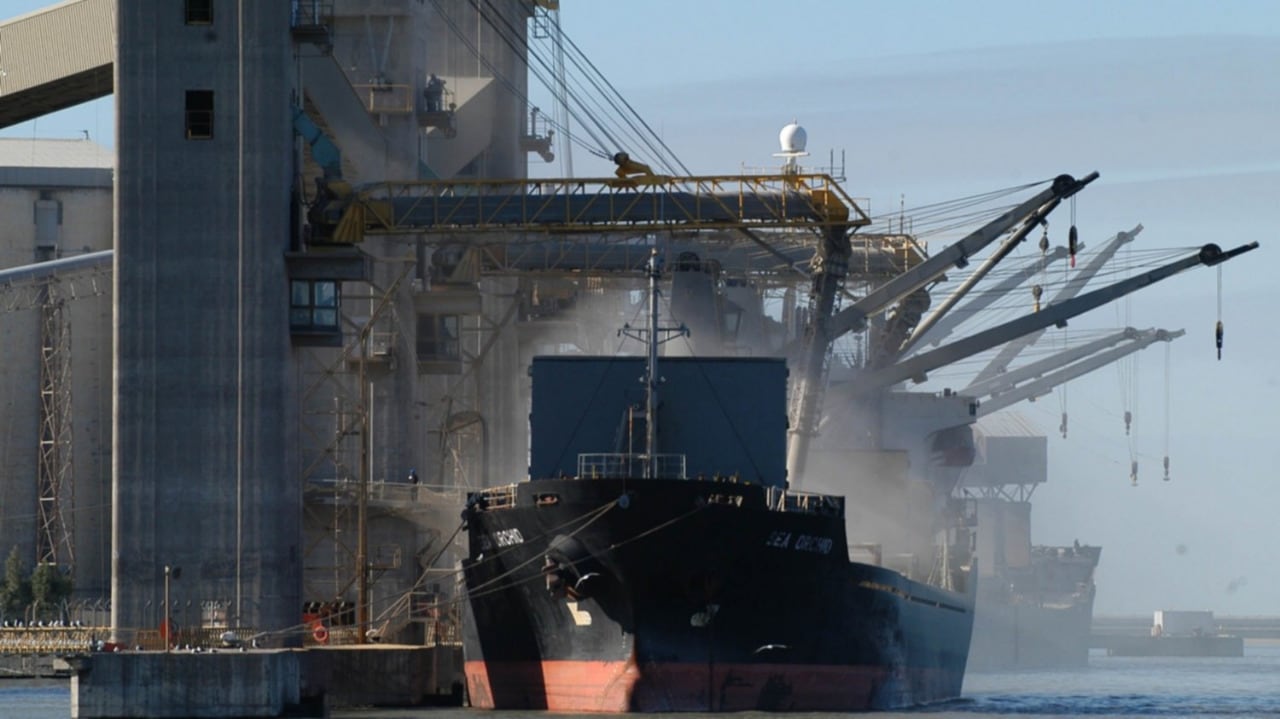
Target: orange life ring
320	634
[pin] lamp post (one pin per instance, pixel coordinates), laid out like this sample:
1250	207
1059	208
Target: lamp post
169	573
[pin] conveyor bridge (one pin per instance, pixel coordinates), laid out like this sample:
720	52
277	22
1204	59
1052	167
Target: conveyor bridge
55	58
586	206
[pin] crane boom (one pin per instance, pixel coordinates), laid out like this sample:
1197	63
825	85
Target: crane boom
976	276
1049	381
1071	289
947	325
919	366
854	317
1009	380
824	327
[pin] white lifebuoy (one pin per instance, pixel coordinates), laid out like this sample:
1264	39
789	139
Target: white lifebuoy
320	634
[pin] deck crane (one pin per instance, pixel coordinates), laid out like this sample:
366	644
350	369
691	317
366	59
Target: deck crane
1014	377
1009	245
1073	286
916	368
946	325
831	264
997	400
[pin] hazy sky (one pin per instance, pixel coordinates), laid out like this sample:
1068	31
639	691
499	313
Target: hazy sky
1176	104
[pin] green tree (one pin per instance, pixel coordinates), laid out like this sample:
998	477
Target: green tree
49	587
15	595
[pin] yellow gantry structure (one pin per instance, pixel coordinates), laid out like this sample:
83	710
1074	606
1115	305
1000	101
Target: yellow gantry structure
598	205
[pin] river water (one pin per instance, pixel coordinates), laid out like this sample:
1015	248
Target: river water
1109	686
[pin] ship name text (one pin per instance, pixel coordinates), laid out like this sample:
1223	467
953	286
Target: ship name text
799	542
501	538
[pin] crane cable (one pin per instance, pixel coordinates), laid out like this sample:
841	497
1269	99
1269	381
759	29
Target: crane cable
602	86
1217	332
1128	369
598	150
1168	411
623	100
528	51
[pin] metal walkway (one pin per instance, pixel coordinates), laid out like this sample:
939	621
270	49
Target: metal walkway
590	205
55	58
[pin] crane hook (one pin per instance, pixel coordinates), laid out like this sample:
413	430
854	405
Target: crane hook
1036	291
1217	338
1128	421
1133	472
1063	427
1073	241
1166	468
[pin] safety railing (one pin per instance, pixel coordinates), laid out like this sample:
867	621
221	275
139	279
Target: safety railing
625	466
386	98
644	202
785	500
402	492
51	640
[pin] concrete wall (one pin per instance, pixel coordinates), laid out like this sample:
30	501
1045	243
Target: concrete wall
185	685
203	461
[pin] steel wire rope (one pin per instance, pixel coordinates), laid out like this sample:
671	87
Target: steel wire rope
582	416
601	124
956	203
404	598
591	516
529	50
470	594
502	79
655	135
548	84
595	73
598	511
715	396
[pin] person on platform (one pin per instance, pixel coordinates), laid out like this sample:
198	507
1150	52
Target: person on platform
434	94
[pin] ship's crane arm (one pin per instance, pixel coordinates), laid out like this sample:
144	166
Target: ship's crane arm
825	327
946	325
1049	381
1069	290
1006	247
1014	377
854	317
919	366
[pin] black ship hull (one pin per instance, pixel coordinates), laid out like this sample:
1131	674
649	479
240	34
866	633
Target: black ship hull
613	595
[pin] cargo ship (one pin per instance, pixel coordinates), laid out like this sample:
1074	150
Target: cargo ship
1035	602
656	559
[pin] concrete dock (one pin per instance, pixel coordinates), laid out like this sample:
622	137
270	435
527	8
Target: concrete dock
262	683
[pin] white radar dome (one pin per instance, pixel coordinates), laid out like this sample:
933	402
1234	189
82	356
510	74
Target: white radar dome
793	138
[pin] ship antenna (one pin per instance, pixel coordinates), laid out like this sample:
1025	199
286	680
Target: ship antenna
652	337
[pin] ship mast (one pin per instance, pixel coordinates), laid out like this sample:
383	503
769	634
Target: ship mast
651	371
651	337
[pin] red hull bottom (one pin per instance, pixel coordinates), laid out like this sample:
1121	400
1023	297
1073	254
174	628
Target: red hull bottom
587	686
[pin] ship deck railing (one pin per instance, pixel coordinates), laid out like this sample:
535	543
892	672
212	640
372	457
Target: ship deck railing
381	491
622	465
786	500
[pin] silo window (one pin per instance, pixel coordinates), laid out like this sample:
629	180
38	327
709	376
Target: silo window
199	12
313	306
199	114
438	338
